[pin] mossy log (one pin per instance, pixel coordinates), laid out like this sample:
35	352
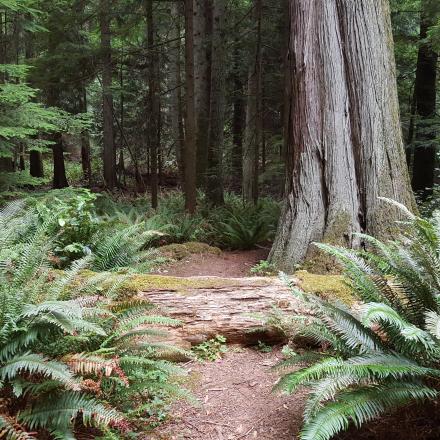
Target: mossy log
233	308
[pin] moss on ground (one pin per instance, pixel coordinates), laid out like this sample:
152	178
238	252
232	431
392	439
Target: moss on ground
178	251
326	286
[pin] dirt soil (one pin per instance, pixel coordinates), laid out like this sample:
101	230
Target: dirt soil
236	401
234	264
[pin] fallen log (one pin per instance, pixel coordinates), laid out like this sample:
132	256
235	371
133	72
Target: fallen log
233	308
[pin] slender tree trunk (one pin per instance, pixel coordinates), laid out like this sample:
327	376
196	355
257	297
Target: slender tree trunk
190	152
35	164
154	100
59	168
202	82
253	114
237	121
344	143
425	151
85	144
174	81
214	180
109	151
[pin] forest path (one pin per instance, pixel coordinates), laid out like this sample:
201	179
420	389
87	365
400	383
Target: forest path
228	264
234	394
236	401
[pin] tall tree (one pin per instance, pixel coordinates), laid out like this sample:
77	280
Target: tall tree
154	103
190	150
109	151
253	132
214	173
202	81
344	143
174	81
425	93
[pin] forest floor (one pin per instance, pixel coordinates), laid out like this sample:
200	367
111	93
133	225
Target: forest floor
234	264
234	394
236	401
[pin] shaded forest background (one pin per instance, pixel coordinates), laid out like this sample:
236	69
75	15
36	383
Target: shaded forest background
94	94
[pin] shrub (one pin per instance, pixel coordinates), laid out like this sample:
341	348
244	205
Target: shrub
243	226
33	313
63	359
383	354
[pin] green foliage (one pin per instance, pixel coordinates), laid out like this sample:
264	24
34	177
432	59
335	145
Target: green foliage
243	226
68	349
211	350
382	355
33	312
263	268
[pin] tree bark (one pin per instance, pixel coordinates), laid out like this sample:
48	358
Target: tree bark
425	93
190	152
35	164
174	82
154	101
109	151
214	174
229	311
253	114
237	122
202	82
85	143
344	143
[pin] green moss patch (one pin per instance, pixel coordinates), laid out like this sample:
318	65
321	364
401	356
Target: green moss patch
326	286
180	251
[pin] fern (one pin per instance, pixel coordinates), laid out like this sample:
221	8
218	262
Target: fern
387	353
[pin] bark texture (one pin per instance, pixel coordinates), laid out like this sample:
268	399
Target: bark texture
229	311
343	136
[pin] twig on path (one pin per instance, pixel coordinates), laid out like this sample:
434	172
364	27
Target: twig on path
246	434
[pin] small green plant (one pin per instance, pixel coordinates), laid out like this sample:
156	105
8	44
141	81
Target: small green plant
263	347
264	268
211	350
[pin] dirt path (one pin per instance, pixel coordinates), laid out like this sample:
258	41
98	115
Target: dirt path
236	401
235	264
235	395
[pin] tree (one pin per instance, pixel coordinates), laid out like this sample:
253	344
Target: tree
425	91
190	150
154	103
214	173
343	138
253	132
202	82
109	151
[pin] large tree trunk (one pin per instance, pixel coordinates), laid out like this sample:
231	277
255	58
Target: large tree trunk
344	144
214	174
154	101
253	115
425	151
202	82
109	151
190	151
